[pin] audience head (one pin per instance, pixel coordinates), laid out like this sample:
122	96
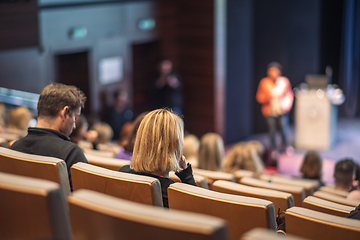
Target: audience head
129	146
344	174
104	132
312	165
274	70
211	152
245	156
19	118
166	66
60	105
159	141
191	148
79	133
124	133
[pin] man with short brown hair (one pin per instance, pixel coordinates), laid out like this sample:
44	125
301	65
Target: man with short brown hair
58	107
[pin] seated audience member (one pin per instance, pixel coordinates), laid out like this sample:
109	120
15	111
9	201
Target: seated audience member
58	107
81	127
345	176
158	150
211	152
127	151
311	167
104	134
124	134
191	148
245	156
19	118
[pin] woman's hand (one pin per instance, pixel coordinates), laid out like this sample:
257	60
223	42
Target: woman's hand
183	163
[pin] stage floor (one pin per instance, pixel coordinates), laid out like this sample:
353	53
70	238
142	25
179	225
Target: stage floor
347	145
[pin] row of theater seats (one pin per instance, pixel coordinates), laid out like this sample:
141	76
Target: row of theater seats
94	216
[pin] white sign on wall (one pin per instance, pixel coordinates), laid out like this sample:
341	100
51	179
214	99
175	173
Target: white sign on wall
111	70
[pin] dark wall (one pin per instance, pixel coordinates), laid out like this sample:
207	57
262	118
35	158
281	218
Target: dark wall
239	70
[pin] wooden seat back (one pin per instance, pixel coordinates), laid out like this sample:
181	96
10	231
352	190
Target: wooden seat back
31	165
280	200
297	192
242	213
128	186
325	206
317	225
98	216
32	208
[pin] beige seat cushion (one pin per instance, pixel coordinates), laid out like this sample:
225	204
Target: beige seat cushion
316	225
242	213
31	165
243	173
280	200
214	175
325	206
106	162
98	216
297	192
32	209
128	186
309	186
336	198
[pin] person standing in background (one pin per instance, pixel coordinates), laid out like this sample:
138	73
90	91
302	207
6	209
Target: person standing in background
275	94
168	88
120	113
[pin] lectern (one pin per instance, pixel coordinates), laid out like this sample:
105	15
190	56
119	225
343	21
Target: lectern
315	120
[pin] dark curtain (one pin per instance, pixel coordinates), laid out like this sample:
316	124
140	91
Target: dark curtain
350	57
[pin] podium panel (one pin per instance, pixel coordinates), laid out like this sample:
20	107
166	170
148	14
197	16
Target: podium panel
315	120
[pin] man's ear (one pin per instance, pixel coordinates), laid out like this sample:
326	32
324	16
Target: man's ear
63	112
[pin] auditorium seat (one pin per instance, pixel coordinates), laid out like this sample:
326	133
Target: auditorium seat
309	187
200	180
99	153
106	162
32	208
266	234
332	190
4	142
31	165
280	200
97	216
336	198
142	189
316	183
242	213
325	206
297	192
214	175
9	137
243	173
318	226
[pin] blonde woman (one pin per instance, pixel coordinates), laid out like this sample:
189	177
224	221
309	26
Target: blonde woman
158	150
246	156
211	152
191	148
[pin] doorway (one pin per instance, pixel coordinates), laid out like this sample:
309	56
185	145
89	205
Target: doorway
146	57
73	69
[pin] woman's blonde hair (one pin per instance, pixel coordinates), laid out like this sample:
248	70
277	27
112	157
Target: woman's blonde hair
211	152
246	156
158	143
191	149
